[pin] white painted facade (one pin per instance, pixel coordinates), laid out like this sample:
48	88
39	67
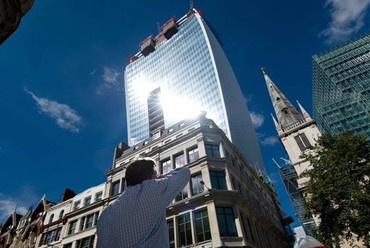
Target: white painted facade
255	218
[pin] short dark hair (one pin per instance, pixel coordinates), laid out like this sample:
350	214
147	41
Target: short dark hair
139	170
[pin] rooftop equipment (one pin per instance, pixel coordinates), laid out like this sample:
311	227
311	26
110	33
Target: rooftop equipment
170	28
147	46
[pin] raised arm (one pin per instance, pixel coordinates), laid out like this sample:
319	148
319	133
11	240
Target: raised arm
172	183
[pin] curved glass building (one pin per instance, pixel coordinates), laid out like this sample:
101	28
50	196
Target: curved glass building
178	74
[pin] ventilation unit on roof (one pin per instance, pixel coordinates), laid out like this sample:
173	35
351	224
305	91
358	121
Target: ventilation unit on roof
170	28
147	46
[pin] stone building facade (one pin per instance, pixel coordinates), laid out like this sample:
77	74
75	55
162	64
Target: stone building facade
225	204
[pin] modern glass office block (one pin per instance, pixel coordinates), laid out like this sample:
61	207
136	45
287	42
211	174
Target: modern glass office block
193	74
341	88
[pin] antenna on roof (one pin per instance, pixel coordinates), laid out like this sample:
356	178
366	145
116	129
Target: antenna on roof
191	4
158	27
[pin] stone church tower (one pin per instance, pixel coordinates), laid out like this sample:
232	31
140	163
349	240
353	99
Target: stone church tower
296	130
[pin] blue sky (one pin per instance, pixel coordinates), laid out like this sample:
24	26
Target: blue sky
62	96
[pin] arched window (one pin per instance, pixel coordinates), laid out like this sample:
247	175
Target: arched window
61	214
51	218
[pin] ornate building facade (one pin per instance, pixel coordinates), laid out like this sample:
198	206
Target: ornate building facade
225	204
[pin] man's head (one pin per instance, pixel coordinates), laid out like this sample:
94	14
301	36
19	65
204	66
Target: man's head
139	171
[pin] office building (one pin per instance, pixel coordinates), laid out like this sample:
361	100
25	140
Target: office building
296	131
225	204
179	73
341	88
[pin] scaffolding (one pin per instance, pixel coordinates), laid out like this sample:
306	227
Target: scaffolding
290	176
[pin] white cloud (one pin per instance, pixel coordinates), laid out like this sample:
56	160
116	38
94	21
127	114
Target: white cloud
110	81
269	141
248	98
65	117
25	197
257	119
347	18
7	207
110	76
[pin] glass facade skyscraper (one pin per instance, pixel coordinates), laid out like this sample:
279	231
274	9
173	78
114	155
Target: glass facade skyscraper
341	88
192	74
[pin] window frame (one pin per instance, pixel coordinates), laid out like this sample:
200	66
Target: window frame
188	237
193	153
212	150
199	186
113	187
226	220
168	164
204	232
181	154
218	179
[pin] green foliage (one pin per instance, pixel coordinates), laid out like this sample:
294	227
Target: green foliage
338	191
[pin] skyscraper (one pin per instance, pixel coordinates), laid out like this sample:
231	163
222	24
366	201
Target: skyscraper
296	132
341	88
187	67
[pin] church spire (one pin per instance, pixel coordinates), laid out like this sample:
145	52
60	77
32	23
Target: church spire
277	126
287	115
306	116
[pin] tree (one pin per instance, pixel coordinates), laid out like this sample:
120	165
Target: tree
338	191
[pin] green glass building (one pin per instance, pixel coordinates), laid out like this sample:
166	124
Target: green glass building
341	88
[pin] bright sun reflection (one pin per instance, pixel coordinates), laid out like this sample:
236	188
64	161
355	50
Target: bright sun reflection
179	107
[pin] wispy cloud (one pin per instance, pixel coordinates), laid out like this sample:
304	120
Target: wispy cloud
25	198
257	119
110	75
66	117
269	141
347	17
110	80
248	98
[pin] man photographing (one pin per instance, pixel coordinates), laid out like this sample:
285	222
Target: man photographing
138	217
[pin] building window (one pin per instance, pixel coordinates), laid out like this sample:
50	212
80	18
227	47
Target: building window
86	242
72	227
184	228
171	233
193	154
218	179
179	160
212	151
57	234
51	218
226	221
87	201
50	236
61	214
77	205
183	194
302	141
82	223
89	221
99	196
196	186
115	188
202	229
166	166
